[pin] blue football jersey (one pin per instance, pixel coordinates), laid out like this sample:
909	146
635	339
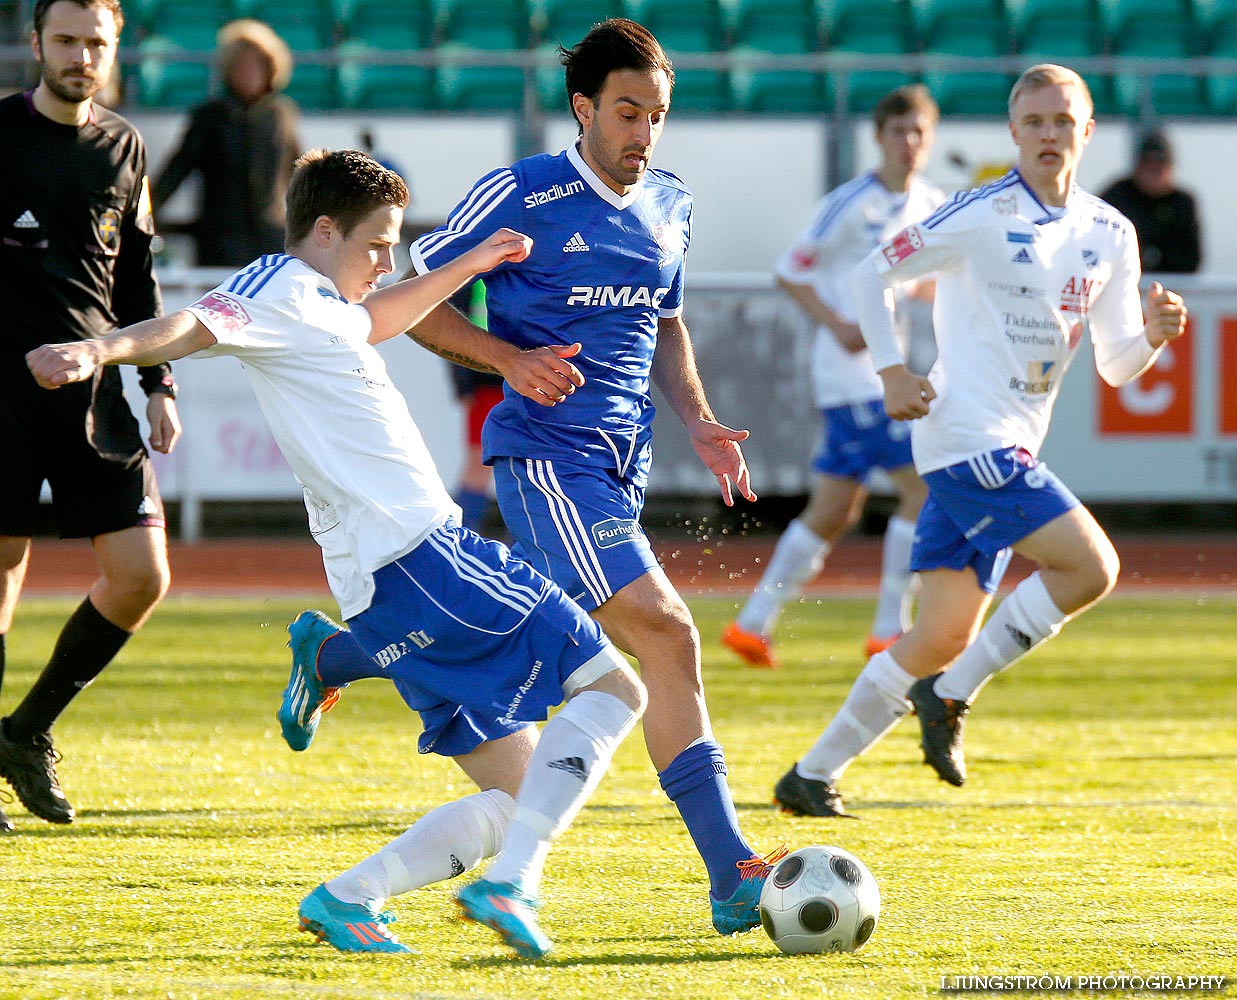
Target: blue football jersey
604	268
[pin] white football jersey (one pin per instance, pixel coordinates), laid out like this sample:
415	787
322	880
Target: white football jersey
849	221
371	489
1018	285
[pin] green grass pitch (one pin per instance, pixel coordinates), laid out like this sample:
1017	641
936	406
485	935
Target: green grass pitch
1095	836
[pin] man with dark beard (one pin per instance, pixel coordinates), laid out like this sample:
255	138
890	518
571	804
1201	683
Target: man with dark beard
75	263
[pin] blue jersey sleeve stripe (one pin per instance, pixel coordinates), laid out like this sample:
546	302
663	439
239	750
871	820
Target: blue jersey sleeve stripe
482	200
963	198
837	202
240	275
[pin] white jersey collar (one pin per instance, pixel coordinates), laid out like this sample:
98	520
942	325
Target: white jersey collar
1048	213
600	188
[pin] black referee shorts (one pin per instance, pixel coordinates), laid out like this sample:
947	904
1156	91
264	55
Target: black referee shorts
84	441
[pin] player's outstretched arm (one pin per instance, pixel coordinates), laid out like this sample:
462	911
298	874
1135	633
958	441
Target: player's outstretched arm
676	375
407	302
845	332
147	343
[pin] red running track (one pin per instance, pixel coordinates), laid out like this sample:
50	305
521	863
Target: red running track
729	564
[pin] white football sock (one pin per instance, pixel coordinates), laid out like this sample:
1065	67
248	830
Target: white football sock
1024	620
893	607
445	842
571	757
877	700
798	557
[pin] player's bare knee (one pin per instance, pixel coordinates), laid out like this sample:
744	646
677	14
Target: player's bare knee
623	684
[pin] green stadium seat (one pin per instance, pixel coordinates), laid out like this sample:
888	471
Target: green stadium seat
784	26
776	27
683	25
163	82
876	26
1069	27
296	21
465	83
373	86
565	22
779	91
486	24
1163	29
153	17
376	23
965	28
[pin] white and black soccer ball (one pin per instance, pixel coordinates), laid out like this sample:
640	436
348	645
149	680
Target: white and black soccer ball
820	899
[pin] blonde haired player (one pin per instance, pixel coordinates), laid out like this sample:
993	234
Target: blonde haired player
1025	268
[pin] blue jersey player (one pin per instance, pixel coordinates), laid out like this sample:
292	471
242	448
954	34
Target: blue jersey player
605	288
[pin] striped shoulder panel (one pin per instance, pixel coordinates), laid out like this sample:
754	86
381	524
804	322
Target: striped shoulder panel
964	198
837	201
248	282
481	200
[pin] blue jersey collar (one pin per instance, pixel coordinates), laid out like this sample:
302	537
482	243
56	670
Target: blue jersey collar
600	188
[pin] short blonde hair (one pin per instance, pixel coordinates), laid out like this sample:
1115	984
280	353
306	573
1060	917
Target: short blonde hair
256	35
1050	75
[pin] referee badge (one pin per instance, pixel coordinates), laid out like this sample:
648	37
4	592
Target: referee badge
107	229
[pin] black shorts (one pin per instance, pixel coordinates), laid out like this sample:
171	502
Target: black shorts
84	441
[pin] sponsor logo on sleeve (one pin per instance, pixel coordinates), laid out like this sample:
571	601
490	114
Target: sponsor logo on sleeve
902	245
223	311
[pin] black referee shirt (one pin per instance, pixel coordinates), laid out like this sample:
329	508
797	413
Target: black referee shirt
75	228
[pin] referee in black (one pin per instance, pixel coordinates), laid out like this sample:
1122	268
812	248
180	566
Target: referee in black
75	262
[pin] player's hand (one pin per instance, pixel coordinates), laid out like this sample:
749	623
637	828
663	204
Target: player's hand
54	365
718	448
907	395
543	374
164	422
503	246
1166	315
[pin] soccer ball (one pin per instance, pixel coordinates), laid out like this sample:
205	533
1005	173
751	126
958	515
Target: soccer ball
819	899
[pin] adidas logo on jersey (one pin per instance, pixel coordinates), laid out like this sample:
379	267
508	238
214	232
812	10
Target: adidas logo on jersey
1021	257
576	245
572	765
26	221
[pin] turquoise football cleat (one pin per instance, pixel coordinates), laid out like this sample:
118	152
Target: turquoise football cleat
741	912
306	697
503	908
348	926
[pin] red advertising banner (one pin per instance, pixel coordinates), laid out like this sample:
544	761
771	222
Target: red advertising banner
1162	400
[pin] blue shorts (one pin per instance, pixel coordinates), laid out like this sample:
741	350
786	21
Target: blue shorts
577	524
976	510
862	437
476	641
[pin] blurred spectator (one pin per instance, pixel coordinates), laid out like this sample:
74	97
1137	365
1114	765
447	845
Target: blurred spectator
243	145
1164	216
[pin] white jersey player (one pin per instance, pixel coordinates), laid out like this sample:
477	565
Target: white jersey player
1025	268
475	641
858	436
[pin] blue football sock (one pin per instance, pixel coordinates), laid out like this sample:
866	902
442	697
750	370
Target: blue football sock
695	782
473	506
341	660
